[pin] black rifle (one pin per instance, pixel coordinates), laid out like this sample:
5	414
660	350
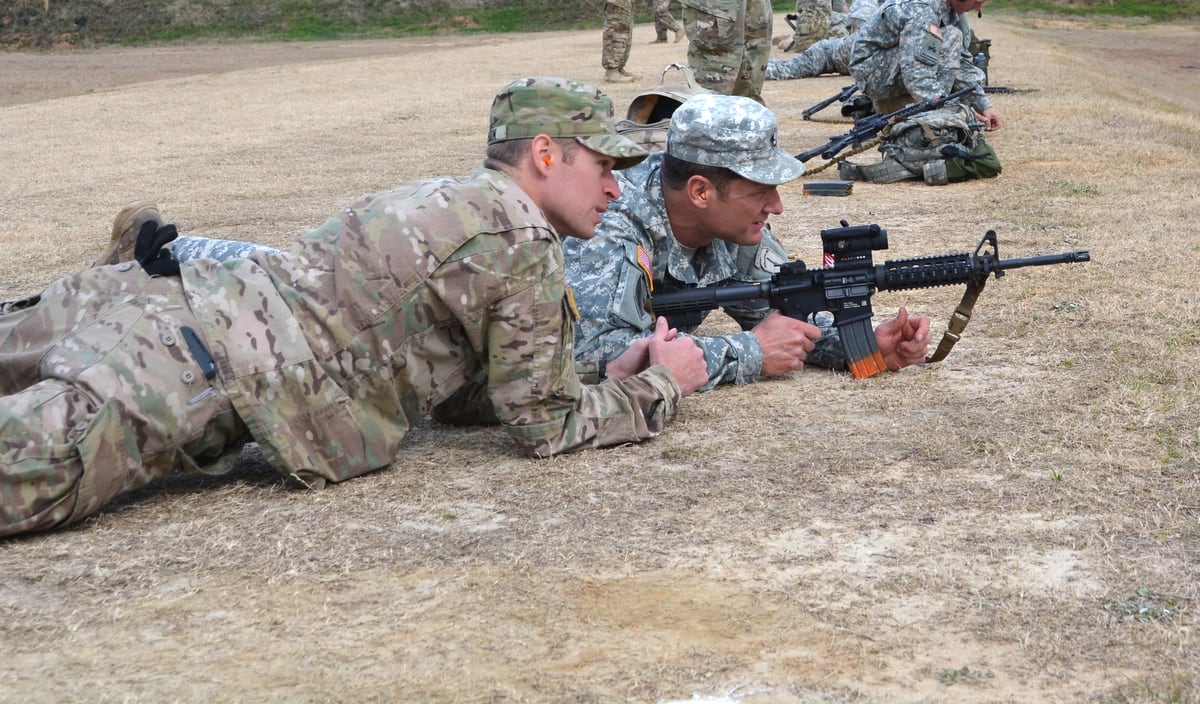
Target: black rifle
842	96
868	127
1004	90
845	286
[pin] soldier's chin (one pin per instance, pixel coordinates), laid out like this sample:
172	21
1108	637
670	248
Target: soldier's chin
585	233
594	221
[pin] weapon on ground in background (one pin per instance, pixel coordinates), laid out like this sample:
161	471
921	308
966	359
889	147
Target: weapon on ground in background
840	97
1005	90
871	126
848	280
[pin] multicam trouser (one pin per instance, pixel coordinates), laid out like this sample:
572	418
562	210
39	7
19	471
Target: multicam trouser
101	395
618	33
664	21
811	23
729	44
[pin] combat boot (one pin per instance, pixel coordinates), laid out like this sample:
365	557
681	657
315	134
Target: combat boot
679	35
612	75
126	227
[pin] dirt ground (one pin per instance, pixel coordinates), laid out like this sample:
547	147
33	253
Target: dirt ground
1020	522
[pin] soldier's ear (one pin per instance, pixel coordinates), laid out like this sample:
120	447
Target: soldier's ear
698	190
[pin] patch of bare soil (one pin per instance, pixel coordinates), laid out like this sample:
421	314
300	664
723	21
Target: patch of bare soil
1020	522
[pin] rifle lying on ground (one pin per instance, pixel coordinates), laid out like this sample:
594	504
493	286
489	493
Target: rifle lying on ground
845	286
869	127
842	96
1005	90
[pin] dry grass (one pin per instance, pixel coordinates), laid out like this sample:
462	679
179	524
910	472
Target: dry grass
1018	523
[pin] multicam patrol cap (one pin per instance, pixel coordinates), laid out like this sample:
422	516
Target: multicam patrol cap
559	107
734	132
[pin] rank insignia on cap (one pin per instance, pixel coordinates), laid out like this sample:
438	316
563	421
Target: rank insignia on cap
643	259
935	31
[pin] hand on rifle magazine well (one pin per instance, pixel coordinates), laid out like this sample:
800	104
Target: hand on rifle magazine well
785	343
904	340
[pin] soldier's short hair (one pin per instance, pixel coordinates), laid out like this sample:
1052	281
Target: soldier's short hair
676	172
510	152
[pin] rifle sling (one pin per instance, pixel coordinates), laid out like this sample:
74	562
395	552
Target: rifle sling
958	320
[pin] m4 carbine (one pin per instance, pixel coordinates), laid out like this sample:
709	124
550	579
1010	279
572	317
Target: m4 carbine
848	280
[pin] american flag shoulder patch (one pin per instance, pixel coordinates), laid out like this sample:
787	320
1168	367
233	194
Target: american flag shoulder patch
643	260
933	29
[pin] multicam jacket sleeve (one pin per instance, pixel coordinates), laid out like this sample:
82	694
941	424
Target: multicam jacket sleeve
528	334
332	349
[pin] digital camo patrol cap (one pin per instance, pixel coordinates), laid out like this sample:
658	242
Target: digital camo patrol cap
560	107
734	132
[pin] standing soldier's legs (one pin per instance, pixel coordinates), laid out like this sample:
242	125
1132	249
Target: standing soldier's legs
617	36
716	44
660	23
121	400
757	49
812	23
665	22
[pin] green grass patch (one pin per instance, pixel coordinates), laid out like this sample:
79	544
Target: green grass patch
1162	10
145	21
1145	605
964	675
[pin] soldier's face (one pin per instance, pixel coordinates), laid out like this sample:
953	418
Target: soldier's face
740	211
580	185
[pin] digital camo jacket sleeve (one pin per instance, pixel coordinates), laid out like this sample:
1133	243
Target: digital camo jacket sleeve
612	274
916	47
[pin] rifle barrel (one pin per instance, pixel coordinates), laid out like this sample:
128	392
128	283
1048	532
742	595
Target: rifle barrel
1081	255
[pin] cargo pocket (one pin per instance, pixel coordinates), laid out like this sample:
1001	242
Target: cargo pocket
63	462
110	459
